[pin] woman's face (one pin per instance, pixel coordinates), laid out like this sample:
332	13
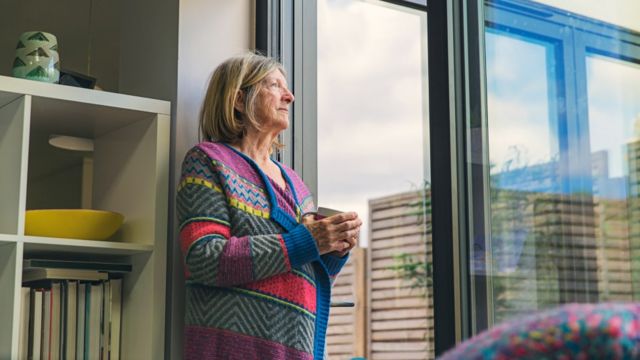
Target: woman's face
272	103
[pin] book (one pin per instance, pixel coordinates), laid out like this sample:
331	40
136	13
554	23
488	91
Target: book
106	318
116	317
35	274
63	319
23	338
80	330
93	321
46	324
112	267
56	312
71	318
35	326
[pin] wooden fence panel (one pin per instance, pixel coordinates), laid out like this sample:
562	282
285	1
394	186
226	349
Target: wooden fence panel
392	318
400	320
346	334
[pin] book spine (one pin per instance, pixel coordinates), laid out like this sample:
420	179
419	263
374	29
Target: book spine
71	320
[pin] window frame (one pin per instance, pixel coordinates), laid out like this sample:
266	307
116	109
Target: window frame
292	24
286	30
541	22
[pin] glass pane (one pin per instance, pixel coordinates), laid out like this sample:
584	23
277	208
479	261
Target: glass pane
554	190
522	137
618	12
373	159
614	124
521	125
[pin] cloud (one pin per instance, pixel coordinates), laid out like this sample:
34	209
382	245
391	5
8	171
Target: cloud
620	12
614	104
521	124
370	103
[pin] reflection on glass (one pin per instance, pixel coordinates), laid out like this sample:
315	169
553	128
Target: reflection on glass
563	143
519	121
614	124
372	159
522	126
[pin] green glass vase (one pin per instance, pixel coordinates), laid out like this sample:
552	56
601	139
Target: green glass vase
37	57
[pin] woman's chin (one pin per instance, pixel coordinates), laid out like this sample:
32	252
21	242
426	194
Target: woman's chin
282	125
275	128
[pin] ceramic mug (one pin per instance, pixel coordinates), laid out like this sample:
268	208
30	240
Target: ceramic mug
37	57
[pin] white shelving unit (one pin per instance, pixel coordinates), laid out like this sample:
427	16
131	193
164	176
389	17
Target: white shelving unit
131	173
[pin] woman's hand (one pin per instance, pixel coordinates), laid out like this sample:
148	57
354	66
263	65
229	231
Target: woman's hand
337	233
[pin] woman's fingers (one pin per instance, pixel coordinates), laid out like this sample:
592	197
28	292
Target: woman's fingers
342	217
335	233
349	225
341	245
352	241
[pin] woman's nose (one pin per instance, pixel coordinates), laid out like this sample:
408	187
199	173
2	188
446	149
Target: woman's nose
288	96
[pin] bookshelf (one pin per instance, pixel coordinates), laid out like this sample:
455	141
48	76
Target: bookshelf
130	176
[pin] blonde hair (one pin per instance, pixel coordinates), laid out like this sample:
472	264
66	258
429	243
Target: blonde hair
219	119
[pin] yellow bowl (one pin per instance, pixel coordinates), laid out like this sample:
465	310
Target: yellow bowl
72	223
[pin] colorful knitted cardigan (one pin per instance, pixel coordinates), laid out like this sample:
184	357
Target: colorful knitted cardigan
256	287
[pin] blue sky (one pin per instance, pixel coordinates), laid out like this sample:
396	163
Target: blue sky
519	113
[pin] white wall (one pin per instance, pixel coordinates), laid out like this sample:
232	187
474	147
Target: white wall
210	31
149	48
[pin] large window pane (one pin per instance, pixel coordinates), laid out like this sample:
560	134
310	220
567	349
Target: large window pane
555	221
521	133
520	122
614	124
373	159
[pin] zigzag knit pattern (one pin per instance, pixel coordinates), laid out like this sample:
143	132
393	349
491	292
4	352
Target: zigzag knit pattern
256	286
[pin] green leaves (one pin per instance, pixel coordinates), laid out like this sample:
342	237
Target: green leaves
417	272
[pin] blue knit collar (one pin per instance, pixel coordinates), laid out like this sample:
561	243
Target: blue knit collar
278	214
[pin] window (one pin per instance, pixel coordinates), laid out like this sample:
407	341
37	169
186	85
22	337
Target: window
533	171
556	159
373	158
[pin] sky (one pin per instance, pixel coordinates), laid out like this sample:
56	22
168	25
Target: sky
619	12
370	104
614	108
372	110
514	116
524	123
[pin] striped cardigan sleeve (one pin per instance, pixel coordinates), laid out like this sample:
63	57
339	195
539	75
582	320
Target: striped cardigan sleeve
212	254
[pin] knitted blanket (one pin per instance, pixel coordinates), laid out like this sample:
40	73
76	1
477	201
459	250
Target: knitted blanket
572	331
256	287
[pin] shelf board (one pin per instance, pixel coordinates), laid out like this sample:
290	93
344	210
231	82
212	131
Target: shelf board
6	238
73	118
11	88
47	244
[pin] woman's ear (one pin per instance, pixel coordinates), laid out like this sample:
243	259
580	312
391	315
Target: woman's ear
239	103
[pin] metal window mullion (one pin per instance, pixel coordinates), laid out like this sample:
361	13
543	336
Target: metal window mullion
305	135
288	58
409	4
476	171
442	119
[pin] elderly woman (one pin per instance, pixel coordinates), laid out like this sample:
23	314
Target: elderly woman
258	270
